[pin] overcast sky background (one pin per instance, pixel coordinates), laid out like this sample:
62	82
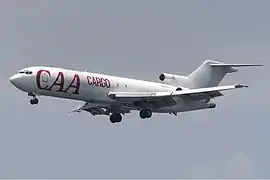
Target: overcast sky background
138	39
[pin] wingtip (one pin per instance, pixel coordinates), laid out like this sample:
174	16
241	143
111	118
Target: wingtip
258	65
241	86
75	111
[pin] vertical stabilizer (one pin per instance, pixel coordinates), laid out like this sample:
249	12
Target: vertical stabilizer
211	73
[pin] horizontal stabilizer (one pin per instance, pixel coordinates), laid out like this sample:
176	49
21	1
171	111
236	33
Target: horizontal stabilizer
230	68
235	65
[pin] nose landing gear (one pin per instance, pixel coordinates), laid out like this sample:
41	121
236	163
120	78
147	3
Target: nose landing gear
34	100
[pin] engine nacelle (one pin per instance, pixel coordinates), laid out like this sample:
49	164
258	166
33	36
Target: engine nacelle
173	79
166	76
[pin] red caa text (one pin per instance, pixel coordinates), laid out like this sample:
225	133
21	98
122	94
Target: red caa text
59	81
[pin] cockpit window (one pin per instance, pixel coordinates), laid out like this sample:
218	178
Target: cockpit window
26	72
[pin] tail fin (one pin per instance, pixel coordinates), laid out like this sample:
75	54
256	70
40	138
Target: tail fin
211	73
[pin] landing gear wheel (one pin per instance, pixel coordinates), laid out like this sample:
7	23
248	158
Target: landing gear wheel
116	118
34	101
142	115
149	113
145	113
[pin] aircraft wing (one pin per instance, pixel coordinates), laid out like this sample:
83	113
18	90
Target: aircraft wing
162	99
96	109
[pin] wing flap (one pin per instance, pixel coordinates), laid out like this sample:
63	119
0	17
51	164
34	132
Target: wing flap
156	102
202	96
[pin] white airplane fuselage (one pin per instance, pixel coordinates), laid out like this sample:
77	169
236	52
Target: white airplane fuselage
92	87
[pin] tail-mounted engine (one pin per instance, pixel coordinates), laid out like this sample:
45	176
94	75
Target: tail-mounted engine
173	79
165	76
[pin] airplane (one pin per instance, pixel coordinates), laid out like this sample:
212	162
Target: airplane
116	96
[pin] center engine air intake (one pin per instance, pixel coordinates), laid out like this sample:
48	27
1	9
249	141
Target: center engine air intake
173	79
166	76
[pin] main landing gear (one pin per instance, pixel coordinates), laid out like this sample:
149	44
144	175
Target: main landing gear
34	100
116	118
145	113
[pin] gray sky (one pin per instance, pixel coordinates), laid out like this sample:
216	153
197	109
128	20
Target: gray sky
137	39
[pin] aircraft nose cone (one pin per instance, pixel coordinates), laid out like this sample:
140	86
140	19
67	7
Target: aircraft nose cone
14	79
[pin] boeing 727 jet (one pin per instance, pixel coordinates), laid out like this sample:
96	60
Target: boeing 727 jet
116	96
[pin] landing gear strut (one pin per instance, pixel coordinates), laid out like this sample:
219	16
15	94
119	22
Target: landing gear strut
145	113
34	100
116	118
